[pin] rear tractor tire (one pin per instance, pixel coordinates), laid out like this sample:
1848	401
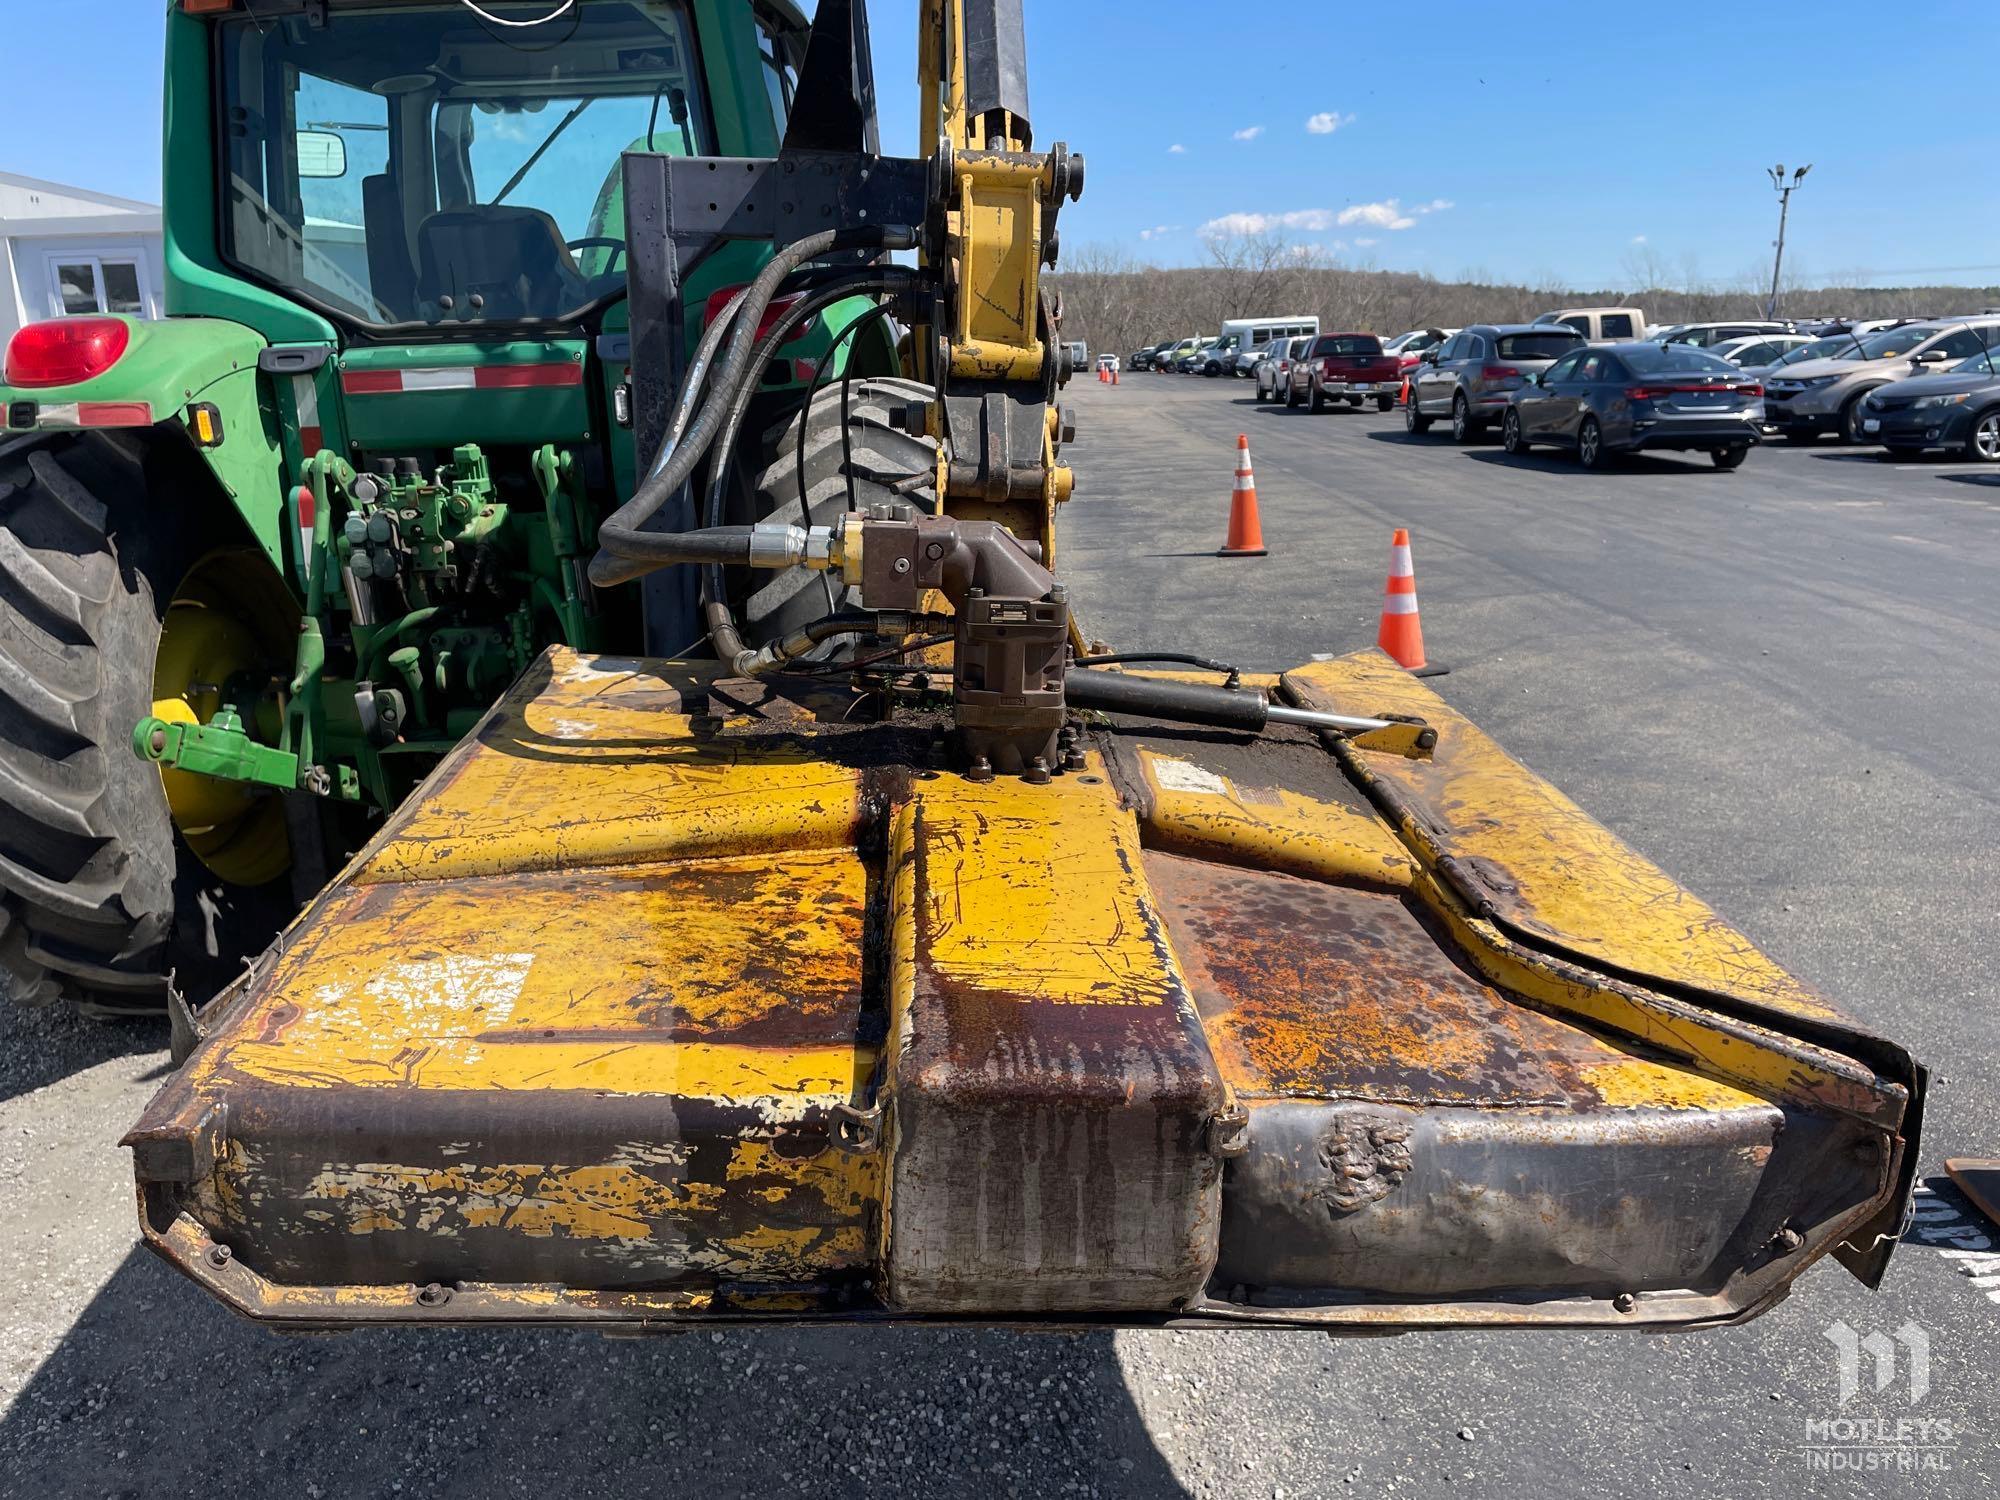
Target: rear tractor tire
100	897
883	457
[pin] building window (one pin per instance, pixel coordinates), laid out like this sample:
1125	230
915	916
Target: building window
86	284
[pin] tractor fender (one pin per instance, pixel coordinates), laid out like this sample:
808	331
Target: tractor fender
169	370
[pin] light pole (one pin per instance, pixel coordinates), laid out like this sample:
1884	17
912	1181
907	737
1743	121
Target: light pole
1785	191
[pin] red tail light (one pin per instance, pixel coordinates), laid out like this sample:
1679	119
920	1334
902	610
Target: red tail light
1499	372
1748	390
772	314
65	351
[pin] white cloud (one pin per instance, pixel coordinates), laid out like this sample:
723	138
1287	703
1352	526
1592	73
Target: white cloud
1248	133
1390	213
1177	149
1159	231
1327	121
1310	220
1638	239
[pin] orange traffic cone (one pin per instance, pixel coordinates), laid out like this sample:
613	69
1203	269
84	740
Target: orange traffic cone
1101	378
1403	396
1246	532
1114	374
1402	633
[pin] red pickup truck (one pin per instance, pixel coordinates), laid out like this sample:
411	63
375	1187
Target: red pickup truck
1348	367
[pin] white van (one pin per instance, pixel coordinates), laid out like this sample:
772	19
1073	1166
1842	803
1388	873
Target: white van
1601	325
1252	335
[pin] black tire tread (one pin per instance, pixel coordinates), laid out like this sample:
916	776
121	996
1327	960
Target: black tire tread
785	601
86	858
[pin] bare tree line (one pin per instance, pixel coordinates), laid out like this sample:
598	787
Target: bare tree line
1116	303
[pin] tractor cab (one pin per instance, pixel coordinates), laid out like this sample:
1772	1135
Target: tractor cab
416	172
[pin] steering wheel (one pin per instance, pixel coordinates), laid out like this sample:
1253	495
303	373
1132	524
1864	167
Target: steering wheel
605	241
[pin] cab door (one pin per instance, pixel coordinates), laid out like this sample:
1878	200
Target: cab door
1540	405
1569	398
1433	385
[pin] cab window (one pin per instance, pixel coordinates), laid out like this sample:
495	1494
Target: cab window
410	164
781	47
1618	326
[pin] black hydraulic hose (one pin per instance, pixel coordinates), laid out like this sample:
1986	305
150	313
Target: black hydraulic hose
657	549
716	614
695	380
625	552
716	545
1181	657
619	531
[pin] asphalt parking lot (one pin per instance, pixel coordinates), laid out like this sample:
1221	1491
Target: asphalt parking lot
1779	683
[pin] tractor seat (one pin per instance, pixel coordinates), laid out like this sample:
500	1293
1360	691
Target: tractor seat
513	258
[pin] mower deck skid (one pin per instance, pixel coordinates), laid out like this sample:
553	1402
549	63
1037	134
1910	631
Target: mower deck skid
674	1000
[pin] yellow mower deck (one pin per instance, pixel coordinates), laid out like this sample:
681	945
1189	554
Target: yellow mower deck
671	999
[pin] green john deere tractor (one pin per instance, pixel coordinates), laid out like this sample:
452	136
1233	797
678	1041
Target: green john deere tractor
346	490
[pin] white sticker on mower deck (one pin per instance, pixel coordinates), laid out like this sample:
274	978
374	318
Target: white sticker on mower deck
1186	776
433	996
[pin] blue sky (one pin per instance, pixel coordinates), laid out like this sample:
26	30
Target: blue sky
1556	138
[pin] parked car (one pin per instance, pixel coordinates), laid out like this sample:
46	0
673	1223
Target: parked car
1108	363
1079	355
1601	325
1193	360
1246	360
1416	341
1758	351
1142	358
1412	346
1814	397
1604	400
1470	378
1348	367
1959	409
1217	356
1708	335
1826	346
1274	370
1169	359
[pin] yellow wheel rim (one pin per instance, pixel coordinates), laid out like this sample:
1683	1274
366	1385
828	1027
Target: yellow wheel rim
230	618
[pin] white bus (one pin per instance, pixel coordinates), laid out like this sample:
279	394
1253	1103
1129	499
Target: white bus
1246	338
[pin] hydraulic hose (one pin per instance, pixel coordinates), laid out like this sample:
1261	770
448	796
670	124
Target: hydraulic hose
626	553
696	377
619	531
723	546
722	631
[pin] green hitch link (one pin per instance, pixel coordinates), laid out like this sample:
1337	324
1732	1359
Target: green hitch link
219	748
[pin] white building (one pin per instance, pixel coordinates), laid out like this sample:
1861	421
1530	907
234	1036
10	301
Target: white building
68	250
